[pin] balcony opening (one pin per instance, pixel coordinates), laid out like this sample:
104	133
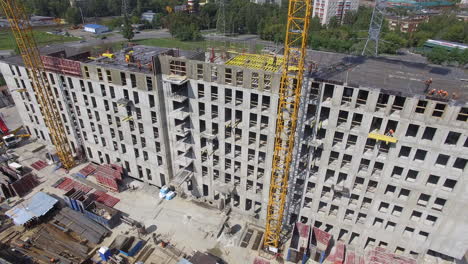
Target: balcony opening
382	101
328	92
347	96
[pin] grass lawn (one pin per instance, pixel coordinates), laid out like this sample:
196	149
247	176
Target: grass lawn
192	45
7	41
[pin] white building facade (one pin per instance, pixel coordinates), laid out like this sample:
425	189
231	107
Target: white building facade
326	9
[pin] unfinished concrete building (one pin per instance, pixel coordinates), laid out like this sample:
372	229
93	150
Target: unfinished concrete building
382	156
379	158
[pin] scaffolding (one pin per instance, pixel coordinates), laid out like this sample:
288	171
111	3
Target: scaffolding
380	137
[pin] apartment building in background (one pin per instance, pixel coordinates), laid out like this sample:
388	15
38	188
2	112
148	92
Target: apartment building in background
379	159
326	9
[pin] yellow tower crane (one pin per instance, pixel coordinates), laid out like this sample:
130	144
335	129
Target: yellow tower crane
295	45
23	34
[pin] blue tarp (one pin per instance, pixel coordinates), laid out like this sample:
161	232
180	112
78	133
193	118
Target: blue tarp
95	26
184	261
36	206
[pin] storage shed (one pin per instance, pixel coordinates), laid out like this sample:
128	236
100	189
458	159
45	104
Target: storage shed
95	28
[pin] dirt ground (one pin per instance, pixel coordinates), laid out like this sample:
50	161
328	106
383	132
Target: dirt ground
187	225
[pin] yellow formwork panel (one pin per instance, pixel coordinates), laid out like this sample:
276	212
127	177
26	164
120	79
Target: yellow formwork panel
256	62
382	138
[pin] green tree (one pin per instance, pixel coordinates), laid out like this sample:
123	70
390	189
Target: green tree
334	22
456	32
135	20
350	18
438	55
114	8
392	43
127	30
208	15
183	27
73	16
315	24
157	21
420	37
115	23
463	60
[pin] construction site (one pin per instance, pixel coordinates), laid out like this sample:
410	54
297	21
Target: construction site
161	155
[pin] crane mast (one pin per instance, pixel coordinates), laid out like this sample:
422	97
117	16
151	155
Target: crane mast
299	12
23	34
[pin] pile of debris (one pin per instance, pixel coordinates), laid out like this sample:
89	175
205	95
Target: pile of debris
80	224
64	238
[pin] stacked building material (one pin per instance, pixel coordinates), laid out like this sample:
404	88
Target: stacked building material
319	243
353	258
105	198
298	249
89	169
55	241
14	184
381	256
57	62
82	225
39	165
25	184
337	254
77	200
67	184
109	176
92	206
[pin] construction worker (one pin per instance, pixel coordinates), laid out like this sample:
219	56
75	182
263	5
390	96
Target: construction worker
274	60
428	83
432	92
390	133
442	93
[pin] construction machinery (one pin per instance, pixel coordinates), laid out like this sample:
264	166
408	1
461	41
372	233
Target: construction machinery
299	13
12	138
22	31
3	127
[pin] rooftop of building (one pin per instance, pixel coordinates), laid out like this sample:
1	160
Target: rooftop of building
399	75
141	58
95	26
38	205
